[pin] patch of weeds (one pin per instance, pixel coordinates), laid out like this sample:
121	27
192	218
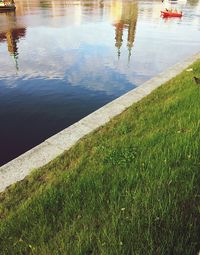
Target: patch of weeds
121	156
124	129
101	148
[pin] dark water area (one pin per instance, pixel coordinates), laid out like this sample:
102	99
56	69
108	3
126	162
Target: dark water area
61	60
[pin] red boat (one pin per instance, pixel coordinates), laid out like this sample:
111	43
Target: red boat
167	14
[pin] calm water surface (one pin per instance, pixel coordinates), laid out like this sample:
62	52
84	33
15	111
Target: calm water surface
61	60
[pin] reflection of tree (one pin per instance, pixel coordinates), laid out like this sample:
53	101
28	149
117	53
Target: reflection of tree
101	4
119	36
126	20
193	2
12	36
45	4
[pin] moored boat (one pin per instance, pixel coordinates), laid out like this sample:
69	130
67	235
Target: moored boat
167	14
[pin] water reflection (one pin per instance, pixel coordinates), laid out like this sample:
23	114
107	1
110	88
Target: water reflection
122	15
61	60
12	36
126	18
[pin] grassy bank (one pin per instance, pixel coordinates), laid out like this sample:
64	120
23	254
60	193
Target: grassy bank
132	187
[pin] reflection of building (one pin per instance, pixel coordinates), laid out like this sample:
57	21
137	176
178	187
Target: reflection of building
125	15
12	36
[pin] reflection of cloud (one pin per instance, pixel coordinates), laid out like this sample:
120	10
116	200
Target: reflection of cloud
65	53
88	68
93	74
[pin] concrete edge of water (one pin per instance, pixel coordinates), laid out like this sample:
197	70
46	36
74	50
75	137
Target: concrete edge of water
17	169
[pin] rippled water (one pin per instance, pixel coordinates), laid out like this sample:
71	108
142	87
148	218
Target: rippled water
61	60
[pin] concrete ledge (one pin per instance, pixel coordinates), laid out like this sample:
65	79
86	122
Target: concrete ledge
18	168
40	155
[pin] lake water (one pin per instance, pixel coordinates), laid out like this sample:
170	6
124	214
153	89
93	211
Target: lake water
61	60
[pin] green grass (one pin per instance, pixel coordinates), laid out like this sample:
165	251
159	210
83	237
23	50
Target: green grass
131	187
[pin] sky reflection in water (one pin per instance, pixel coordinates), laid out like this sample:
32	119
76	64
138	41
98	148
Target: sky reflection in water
61	60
